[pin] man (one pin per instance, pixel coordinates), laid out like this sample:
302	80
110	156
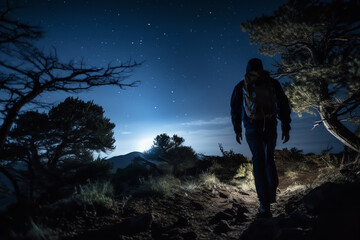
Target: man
257	101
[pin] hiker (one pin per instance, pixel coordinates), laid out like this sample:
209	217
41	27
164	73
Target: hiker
257	101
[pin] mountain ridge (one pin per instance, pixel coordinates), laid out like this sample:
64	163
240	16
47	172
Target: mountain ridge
122	161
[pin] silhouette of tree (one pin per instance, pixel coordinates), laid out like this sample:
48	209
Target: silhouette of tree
15	33
169	150
26	72
177	141
59	143
163	142
319	46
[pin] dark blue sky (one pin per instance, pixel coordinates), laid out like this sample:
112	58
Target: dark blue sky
194	53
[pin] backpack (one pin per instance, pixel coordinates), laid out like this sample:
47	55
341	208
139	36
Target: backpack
259	95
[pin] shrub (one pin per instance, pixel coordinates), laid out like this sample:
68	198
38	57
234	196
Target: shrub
215	167
97	169
165	186
190	184
245	170
96	195
209	180
129	177
225	167
170	151
244	178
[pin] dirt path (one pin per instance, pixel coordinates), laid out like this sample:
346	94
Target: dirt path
223	212
217	211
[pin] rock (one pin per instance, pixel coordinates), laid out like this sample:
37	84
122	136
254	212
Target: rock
158	230
182	222
190	236
293	233
241	217
197	206
295	227
229	211
165	230
241	214
302	219
220	216
223	195
240	207
332	212
222	227
137	224
174	234
262	229
336	206
329	196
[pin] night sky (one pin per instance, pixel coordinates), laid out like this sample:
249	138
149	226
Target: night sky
194	53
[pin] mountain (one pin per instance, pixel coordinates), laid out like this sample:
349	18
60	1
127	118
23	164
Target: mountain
123	161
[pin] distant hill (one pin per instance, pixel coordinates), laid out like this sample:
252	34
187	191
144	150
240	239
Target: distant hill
123	161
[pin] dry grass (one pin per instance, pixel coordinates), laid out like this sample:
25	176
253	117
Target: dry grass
166	186
98	195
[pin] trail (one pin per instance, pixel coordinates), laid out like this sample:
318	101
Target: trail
218	212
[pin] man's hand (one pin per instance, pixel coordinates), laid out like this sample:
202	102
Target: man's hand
239	138
285	136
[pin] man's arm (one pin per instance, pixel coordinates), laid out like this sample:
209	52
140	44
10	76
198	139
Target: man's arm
284	110
236	110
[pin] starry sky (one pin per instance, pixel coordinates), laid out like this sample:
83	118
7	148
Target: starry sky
193	52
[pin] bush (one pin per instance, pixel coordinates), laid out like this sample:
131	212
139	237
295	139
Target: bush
98	196
177	159
245	170
209	180
190	184
126	178
244	178
225	168
97	169
165	186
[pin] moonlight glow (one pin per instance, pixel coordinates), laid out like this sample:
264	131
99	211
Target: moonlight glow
145	144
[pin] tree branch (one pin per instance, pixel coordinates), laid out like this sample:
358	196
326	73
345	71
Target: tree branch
345	103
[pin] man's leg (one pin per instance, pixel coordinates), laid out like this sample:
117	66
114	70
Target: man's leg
271	172
254	138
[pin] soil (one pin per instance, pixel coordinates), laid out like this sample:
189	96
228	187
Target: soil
222	211
215	211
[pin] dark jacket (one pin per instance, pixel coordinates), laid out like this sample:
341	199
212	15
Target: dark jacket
238	113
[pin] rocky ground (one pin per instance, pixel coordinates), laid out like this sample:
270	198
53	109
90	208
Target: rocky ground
223	213
315	203
316	200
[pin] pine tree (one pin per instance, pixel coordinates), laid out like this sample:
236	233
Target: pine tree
169	150
319	46
56	147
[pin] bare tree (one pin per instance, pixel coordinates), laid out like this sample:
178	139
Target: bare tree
13	32
27	72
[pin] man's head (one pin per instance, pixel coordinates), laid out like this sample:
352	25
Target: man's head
254	64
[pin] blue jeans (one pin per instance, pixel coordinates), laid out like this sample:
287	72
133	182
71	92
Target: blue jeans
262	141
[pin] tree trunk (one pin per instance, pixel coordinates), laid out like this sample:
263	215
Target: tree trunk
338	130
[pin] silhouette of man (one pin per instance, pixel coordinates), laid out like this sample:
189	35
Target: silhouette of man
261	129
